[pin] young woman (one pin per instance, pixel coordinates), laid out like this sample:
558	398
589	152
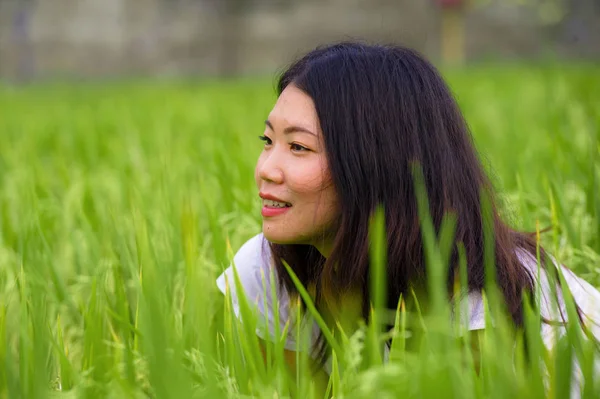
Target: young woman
349	122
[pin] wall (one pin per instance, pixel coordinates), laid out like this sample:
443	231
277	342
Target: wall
100	38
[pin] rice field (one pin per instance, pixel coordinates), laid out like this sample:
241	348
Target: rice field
121	202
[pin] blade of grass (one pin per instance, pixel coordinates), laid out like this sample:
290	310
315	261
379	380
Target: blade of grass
313	310
378	284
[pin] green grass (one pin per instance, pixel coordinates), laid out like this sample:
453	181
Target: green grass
121	203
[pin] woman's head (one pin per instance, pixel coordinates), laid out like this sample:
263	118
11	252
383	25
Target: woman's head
378	110
292	175
358	116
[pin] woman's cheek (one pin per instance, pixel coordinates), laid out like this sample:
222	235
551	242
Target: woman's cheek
308	179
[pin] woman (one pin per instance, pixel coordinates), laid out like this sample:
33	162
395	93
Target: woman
349	122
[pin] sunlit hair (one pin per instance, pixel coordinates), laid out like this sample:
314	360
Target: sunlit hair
381	108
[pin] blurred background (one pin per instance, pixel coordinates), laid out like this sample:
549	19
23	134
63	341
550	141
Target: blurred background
49	39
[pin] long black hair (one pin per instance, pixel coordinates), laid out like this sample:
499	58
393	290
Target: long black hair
382	108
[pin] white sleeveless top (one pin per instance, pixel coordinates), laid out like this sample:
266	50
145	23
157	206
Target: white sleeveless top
253	264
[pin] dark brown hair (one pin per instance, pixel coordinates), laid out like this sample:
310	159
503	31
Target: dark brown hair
381	108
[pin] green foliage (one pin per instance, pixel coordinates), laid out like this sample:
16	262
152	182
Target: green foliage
120	205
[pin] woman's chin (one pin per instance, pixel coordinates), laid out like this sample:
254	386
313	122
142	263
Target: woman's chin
280	237
276	238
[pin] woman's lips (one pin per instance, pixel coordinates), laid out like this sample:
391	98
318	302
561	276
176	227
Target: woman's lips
268	211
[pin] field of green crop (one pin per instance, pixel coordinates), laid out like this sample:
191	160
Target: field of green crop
120	203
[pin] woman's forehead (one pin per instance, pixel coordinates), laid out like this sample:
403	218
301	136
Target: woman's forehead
294	108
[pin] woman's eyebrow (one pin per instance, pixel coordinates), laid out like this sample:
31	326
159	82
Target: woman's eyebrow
291	129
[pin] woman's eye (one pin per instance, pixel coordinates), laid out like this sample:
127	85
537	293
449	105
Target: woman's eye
297	147
266	140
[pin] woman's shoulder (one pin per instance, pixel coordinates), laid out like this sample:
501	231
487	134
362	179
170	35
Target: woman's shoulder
254	253
252	264
586	296
258	277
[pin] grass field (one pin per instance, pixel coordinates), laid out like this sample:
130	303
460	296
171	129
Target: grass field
118	202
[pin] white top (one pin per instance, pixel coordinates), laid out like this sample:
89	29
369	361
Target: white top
253	263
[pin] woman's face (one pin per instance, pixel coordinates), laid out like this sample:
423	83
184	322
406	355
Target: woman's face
299	201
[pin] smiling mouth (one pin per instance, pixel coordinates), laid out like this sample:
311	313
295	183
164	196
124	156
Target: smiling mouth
275	204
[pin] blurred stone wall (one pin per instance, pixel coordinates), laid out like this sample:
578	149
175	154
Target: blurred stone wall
110	38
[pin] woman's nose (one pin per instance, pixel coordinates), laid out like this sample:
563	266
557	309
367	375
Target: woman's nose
269	168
